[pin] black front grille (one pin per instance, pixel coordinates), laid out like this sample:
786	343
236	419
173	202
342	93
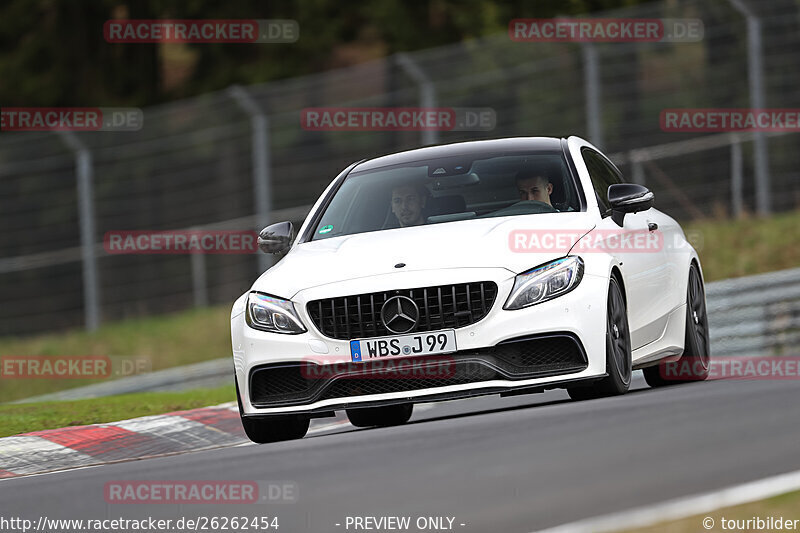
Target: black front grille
442	307
517	359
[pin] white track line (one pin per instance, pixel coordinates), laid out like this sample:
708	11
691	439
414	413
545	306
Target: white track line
685	507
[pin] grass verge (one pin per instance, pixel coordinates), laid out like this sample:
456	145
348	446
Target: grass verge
785	506
167	341
735	248
27	417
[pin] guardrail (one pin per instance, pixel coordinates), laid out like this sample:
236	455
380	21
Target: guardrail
755	315
749	316
207	374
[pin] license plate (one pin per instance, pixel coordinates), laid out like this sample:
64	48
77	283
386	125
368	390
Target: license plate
429	343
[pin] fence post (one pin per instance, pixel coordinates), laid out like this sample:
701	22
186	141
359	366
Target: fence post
427	92
199	278
592	93
755	78
84	177
737	178
637	171
260	149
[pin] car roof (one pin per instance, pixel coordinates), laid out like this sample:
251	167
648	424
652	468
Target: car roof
512	144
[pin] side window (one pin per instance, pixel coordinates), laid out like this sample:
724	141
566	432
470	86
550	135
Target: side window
603	175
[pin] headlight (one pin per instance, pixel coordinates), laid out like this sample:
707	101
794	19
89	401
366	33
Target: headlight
269	313
545	282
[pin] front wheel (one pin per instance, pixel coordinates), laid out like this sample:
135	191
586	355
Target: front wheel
618	351
695	362
390	415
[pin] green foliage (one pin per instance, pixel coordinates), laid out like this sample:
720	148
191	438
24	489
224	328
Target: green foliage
53	53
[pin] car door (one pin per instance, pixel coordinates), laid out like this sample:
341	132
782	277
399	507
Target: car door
645	268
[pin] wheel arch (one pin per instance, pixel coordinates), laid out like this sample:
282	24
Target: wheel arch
693	261
616	273
696	262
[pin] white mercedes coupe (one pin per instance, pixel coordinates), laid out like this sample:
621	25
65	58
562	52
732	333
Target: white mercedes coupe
507	266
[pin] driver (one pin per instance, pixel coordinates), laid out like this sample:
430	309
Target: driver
408	203
535	184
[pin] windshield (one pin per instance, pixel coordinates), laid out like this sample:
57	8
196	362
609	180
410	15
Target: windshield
439	191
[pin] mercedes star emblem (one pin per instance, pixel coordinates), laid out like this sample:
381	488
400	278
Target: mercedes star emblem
400	314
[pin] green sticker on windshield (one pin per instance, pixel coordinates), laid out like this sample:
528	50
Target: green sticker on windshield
326	229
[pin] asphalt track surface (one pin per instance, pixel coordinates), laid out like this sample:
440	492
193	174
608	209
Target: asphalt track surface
515	464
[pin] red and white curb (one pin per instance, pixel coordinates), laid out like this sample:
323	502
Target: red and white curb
138	438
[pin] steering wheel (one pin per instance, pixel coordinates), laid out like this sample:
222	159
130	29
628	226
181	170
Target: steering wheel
527	207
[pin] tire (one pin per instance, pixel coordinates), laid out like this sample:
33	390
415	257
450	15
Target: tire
695	362
391	415
273	428
618	351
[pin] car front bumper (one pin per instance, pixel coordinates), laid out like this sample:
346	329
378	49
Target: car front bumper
579	315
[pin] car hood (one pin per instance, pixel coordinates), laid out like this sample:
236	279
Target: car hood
477	243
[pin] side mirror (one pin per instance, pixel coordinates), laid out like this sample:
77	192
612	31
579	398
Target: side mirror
628	198
276	238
